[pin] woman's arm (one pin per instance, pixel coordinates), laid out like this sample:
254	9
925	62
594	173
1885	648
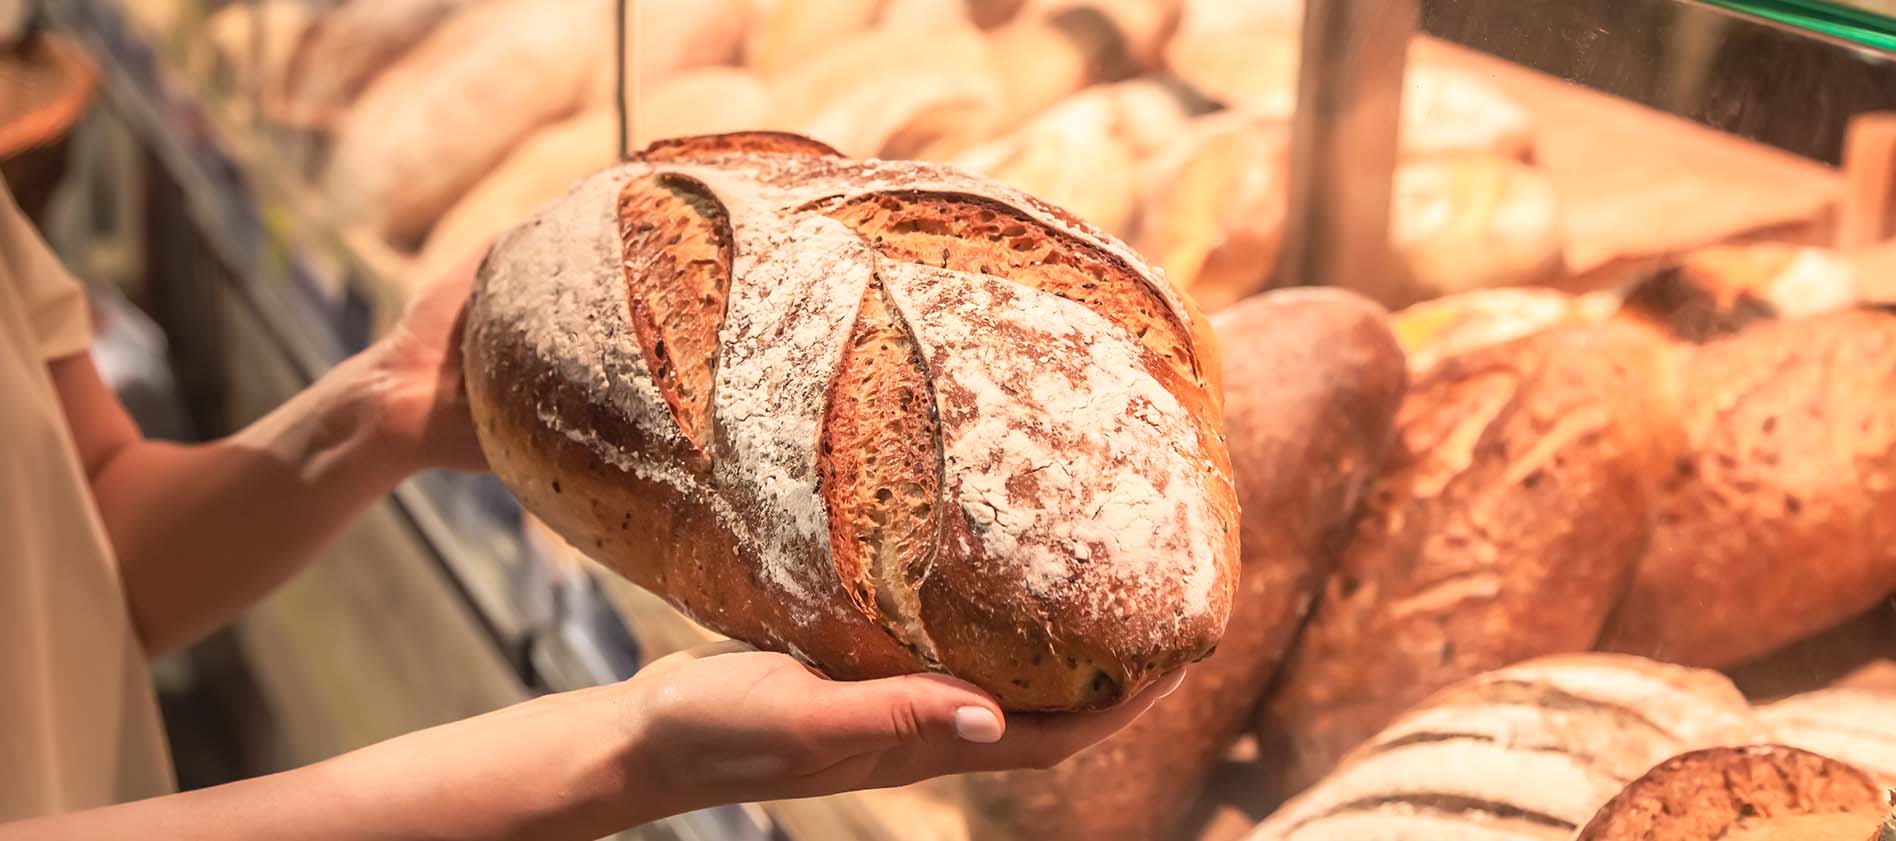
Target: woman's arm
201	532
720	724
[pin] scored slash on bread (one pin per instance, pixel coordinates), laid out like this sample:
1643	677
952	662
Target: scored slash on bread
883	416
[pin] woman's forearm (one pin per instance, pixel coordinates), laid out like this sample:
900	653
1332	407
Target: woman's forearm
553	768
204	531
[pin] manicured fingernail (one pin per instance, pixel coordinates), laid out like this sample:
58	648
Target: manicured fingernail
1172	684
977	724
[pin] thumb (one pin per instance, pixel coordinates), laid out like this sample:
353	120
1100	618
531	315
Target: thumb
860	717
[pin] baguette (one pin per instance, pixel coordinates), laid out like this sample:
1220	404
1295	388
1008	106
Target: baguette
895	92
666	37
1857	726
1215	203
885	417
1504	527
1785	489
1526	752
1759	793
1315	381
443	116
345	48
1463	222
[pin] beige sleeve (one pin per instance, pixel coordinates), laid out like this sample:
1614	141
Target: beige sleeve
55	303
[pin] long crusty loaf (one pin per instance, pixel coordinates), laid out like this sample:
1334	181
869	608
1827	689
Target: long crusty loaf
1315	378
1504	527
1776	522
1857	726
884	416
1756	793
448	111
345	48
1524	753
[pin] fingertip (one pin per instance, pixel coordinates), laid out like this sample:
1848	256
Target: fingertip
979	724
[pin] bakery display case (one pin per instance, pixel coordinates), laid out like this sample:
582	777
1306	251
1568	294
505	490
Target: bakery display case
1575	463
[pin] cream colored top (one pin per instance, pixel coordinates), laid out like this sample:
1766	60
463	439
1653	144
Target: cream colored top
79	723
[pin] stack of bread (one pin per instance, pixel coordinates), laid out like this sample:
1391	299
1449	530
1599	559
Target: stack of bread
1162	122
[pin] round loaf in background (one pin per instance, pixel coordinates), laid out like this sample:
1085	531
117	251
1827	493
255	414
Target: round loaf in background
1504	526
885	417
1315	380
1855	725
1524	753
1756	793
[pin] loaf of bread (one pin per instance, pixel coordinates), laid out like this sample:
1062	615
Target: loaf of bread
1450	326
1504	527
1242	53
1042	59
1314	382
1757	793
346	46
1528	752
791	31
886	417
892	92
539	170
1452	112
1461	222
1214	208
451	109
1857	726
664	37
255	41
1775	523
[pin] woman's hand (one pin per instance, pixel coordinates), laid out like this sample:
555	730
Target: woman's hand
727	723
417	367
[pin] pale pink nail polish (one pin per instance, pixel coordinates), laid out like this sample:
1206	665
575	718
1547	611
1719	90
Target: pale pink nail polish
977	724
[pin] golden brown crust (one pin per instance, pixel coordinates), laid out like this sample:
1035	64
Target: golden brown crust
1775	523
1504	527
1319	379
1725	792
734	143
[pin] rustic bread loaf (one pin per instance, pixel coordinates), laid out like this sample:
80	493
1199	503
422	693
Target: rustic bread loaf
451	108
886	417
1242	53
665	37
893	92
1042	59
1452	325
1857	726
1315	379
1462	222
1214	206
1775	522
791	31
1525	752
346	46
1503	527
1758	793
1452	112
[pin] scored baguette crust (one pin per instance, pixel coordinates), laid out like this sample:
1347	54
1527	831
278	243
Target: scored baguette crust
1857	726
1504	527
1316	382
1065	538
1727	791
1525	752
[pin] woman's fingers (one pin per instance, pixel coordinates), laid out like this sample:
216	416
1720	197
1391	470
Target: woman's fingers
1042	740
920	712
